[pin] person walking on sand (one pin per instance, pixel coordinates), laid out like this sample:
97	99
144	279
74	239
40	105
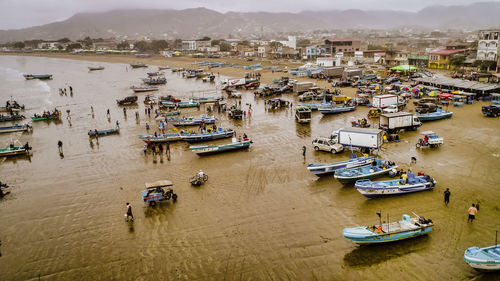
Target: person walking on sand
129	212
304	151
472	213
447	194
59	145
108	114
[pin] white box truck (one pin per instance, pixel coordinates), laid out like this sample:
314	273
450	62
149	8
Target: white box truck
233	82
384	101
393	122
301	87
359	137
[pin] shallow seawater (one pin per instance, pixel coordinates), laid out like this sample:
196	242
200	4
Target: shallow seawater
260	216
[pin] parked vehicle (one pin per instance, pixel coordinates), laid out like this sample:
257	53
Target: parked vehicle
157	192
393	122
359	137
301	87
383	101
341	84
393	108
233	82
426	107
491	110
430	139
327	144
307	96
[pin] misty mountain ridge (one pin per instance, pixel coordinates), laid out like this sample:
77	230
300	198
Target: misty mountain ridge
199	22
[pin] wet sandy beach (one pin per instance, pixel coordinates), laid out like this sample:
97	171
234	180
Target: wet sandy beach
261	215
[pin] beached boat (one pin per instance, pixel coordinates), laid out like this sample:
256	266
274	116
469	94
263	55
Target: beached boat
431	116
144	89
182	104
204	149
156	73
127	100
303	114
138	65
98	133
44	118
38	76
160	137
205	99
414	183
485	259
6	118
374	170
335	109
15	128
155	81
12	150
312	106
171	113
192	121
406	228
219	134
92	68
163	67
323	169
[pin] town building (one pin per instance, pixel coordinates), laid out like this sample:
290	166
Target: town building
441	58
189	45
488	46
394	58
334	45
203	45
325	62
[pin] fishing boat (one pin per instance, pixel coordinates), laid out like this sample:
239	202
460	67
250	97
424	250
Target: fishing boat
38	76
312	106
15	128
160	137
98	133
376	169
219	134
204	149
138	65
171	113
487	259
44	118
155	81
156	73
92	68
335	109
303	114
12	150
5	118
192	121
372	189
182	104
144	89
323	169
407	227
11	106
163	67
205	99
431	116
127	100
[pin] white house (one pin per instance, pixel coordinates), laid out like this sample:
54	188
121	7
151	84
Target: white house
325	61
488	45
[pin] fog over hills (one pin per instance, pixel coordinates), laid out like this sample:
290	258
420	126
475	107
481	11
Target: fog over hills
198	22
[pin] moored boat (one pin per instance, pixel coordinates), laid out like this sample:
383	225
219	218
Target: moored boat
144	89
372	189
335	109
98	133
160	137
38	76
15	128
406	228
205	99
323	169
171	113
484	259
219	134
138	65
431	116
192	121
204	149
156	73
376	169
155	81
92	68
6	118
12	150
182	104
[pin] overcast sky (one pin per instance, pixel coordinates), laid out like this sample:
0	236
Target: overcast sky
24	13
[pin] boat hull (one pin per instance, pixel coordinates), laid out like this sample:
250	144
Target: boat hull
425	118
329	169
210	150
207	137
482	259
378	191
351	179
337	110
160	138
12	152
389	237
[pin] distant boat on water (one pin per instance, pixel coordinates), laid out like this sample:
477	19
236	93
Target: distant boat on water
138	65
38	76
92	68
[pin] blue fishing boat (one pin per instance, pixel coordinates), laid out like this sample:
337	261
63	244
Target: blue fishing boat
98	133
15	128
192	121
389	232
205	99
414	183
328	109
171	113
182	104
6	118
38	76
219	134
376	169
160	137
205	149
437	115
323	169
487	259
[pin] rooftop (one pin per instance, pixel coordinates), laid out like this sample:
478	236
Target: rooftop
446	52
